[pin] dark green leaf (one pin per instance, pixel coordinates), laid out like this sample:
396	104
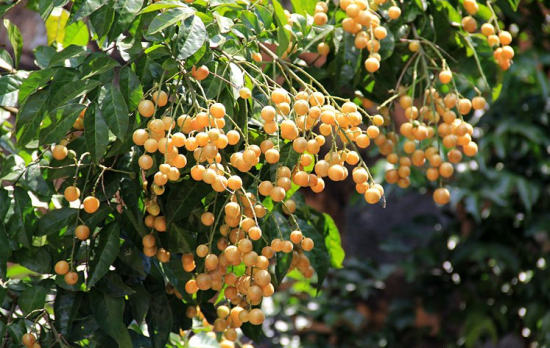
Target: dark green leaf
4	250
22	222
104	253
159	319
130	87
114	109
87	8
36	259
65	307
73	90
109	312
32	298
29	116
111	284
126	11
56	220
97	63
160	5
72	51
183	199
63	119
96	132
36	80
103	18
139	302
192	35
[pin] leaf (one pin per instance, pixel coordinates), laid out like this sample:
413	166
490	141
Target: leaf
36	80
9	88
5	60
29	117
282	34
160	5
159	319
112	285
103	18
55	220
4	250
319	255
304	7
202	340
139	302
55	25
34	297
168	18
35	259
96	132
76	34
63	119
192	35
16	40
109	312
65	308
514	4
21	224
87	8
105	253
71	51
183	199
126	11
114	109
73	90
130	87
97	63
333	242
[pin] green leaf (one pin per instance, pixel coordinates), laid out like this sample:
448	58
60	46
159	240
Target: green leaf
73	90
5	60
30	115
126	11
130	87
168	18
76	34
192	35
103	18
333	242
109	312
4	250
36	80
160	5
139	302
35	259
181	240
282	34
112	285
514	4
56	220
183	199
55	25
114	109
319	255
21	224
34	297
62	119
16	40
9	88
65	308
160	319
96	132
71	51
87	8
97	63
105	253
304	7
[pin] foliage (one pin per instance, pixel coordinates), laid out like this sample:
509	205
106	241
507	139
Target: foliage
84	196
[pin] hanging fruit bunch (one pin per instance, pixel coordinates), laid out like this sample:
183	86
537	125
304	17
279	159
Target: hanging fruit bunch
168	176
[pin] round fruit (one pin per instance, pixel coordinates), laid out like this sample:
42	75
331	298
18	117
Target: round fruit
82	232
71	278
146	108
372	65
62	267
442	196
60	152
160	98
28	339
72	193
91	204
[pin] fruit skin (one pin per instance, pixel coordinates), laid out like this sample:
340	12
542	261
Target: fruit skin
71	278
82	232
28	339
72	193
146	108
442	196
91	204
62	267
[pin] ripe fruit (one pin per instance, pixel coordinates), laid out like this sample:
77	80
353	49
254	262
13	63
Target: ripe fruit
445	76
245	93
72	193
160	98
441	196
146	108
60	152
323	49
82	232
28	339
71	278
200	73
91	204
62	267
394	12
372	65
